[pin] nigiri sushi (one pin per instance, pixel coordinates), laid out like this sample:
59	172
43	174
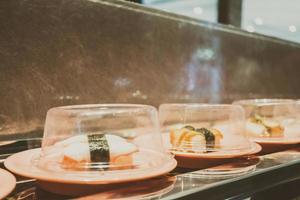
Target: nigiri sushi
264	127
103	149
196	140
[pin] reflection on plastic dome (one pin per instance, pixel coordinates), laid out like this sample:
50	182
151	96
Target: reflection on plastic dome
210	130
272	120
104	142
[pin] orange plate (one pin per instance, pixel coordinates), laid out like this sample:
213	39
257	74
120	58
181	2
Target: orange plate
7	183
220	154
228	168
204	160
279	141
64	183
270	145
3	143
142	189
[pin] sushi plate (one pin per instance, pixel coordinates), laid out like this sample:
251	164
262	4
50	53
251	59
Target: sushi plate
7	183
275	145
22	164
3	143
228	168
220	154
255	148
207	160
277	141
148	189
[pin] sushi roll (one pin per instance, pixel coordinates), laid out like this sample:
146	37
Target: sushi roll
212	137
255	129
187	138
102	149
264	127
195	140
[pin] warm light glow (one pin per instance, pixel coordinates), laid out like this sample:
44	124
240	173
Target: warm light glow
198	10
292	28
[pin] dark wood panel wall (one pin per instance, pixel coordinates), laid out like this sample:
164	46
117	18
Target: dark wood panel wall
63	52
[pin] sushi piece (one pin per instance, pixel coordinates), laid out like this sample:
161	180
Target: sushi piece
264	127
255	129
212	137
96	148
195	140
186	138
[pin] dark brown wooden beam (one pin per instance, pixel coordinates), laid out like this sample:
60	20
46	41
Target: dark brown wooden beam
230	12
136	1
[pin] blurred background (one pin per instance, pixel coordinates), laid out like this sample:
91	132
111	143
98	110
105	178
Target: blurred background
280	18
66	52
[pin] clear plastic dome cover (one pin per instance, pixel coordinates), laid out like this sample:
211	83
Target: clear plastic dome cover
112	139
271	119
204	128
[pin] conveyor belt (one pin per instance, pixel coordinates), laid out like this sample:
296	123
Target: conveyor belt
266	172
